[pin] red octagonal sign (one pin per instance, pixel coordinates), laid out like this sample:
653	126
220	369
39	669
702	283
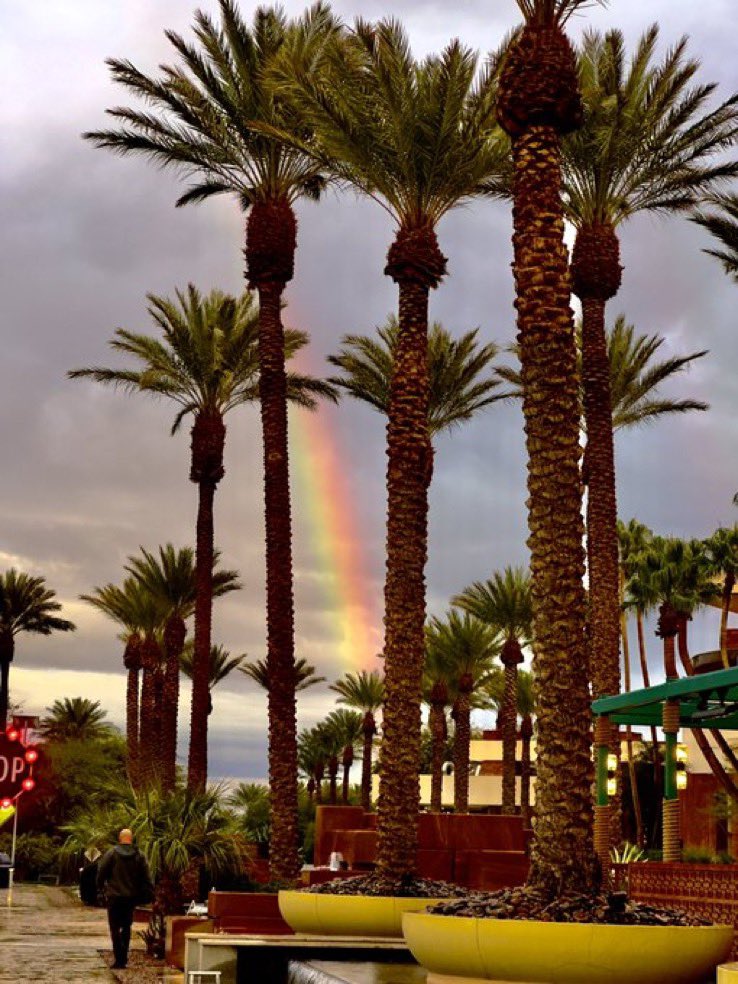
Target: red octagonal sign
16	766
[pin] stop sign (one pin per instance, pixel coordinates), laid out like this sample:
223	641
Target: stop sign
16	765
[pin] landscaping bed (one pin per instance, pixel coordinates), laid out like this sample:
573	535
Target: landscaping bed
375	887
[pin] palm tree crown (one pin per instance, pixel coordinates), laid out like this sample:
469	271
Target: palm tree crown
306	676
503	602
75	719
458	387
720	217
363	690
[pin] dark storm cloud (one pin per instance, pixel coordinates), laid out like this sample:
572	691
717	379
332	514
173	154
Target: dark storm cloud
90	475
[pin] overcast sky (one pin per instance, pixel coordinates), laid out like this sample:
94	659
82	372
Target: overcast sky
89	475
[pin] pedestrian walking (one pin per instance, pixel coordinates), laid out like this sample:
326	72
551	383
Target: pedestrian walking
123	876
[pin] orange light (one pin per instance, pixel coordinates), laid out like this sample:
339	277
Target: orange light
12	734
28	785
31	755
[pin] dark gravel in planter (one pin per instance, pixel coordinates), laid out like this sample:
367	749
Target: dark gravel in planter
521	903
405	888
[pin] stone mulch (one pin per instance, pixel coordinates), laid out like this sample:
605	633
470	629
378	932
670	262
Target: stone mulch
373	885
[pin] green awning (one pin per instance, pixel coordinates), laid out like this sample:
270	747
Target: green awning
708	700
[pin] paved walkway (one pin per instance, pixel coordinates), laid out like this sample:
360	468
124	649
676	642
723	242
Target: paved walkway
47	935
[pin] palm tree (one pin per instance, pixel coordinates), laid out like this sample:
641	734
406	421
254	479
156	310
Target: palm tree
207	364
722	221
171	579
419	138
469	648
539	102
26	605
75	719
201	124
349	729
139	615
504	603
525	710
222	664
437	695
647	144
457	385
363	691
311	760
305	675
722	556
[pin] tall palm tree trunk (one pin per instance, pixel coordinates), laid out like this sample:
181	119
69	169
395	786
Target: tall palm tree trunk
271	237
132	697
437	723
347	762
526	735
174	639
728	585
7	647
369	728
562	856
511	658
462	740
147	739
634	795
333	779
416	264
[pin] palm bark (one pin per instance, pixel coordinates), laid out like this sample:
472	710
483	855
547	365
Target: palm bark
147	739
132	663
416	264
174	639
439	732
7	649
347	762
208	440
526	735
728	585
462	740
369	728
511	657
271	237
538	101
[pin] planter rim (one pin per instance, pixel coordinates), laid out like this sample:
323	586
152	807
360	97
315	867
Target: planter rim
569	925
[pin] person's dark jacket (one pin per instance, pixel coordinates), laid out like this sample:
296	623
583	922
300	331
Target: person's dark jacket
122	873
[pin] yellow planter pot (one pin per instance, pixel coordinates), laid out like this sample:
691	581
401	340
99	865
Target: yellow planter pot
347	915
507	950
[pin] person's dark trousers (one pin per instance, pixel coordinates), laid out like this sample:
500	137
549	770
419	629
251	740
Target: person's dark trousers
120	917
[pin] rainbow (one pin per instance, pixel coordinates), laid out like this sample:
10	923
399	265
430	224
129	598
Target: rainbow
325	496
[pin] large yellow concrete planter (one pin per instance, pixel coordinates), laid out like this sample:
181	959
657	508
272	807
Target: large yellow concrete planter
347	915
455	948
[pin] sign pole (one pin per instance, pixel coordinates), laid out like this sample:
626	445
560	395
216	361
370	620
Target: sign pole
11	870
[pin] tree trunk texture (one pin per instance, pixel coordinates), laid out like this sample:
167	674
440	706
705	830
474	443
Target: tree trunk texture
511	658
416	265
197	763
174	639
728	586
7	650
462	739
348	761
333	779
437	724
147	741
563	856
369	728
132	689
526	735
635	798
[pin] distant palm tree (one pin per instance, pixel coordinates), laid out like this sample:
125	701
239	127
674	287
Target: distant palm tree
75	719
206	363
140	617
505	604
26	605
722	558
419	138
311	761
363	691
437	695
648	144
222	664
469	648
525	710
171	580
200	121
305	675
719	215
349	729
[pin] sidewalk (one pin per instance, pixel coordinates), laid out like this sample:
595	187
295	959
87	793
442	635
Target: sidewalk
46	935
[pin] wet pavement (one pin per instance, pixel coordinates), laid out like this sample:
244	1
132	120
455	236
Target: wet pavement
47	935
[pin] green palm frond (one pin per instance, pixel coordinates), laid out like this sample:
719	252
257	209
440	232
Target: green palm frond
75	719
504	602
466	646
554	13
220	666
719	215
650	141
306	676
28	605
363	690
460	383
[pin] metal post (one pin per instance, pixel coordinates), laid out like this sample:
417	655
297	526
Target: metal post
11	870
671	839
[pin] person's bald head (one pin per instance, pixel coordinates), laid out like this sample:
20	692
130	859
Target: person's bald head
125	836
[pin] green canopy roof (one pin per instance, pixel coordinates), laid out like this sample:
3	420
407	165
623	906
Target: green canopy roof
708	700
